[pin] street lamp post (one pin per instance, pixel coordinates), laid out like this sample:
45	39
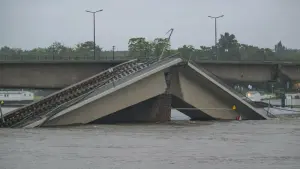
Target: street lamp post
113	52
94	13
216	17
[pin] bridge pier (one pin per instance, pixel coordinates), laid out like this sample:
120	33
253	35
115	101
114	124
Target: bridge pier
156	109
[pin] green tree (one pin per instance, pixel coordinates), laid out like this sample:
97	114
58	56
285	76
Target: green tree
57	48
206	52
10	51
139	47
5	49
87	46
158	46
86	49
280	48
249	52
186	51
228	47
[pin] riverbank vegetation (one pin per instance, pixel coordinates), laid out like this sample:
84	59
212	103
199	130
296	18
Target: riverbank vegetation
228	48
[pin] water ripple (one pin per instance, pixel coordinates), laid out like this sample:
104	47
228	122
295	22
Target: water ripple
179	144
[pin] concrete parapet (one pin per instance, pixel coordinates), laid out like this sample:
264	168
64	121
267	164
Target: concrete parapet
47	76
60	75
241	72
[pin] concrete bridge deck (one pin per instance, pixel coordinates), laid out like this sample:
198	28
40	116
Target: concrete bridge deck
58	75
71	94
134	99
142	94
202	96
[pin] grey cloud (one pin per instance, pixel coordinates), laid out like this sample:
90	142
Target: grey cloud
32	23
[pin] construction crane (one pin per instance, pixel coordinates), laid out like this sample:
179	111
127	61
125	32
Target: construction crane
168	42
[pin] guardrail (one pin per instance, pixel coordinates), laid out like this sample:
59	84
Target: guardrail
62	58
120	57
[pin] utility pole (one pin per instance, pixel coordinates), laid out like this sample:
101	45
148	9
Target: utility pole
215	18
1	113
113	52
94	14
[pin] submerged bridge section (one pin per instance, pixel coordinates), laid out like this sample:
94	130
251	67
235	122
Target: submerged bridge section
202	96
142	97
137	91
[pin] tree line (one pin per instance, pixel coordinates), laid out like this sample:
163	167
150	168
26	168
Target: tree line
228	48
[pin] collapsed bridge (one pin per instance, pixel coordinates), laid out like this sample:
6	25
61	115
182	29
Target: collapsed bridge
137	91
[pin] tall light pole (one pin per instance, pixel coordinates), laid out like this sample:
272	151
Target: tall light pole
216	17
94	13
113	52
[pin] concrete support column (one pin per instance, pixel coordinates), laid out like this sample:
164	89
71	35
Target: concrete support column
156	109
162	108
164	101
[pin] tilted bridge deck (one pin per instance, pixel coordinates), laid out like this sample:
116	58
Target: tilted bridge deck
58	101
76	91
243	101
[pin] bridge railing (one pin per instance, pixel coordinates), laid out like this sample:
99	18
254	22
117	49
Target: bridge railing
116	56
48	58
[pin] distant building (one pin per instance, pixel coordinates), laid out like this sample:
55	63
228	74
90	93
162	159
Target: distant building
16	97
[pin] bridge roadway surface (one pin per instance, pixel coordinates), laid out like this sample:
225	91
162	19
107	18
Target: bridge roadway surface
145	95
60	74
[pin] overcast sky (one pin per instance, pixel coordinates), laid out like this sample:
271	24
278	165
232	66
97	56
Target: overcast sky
37	23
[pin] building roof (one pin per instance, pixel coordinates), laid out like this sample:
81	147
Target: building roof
14	92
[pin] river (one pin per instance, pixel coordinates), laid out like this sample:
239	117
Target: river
271	144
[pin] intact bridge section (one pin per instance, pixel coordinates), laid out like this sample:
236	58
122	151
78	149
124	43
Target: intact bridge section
47	75
58	75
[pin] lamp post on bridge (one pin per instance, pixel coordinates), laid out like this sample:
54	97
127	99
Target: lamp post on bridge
215	18
94	13
113	48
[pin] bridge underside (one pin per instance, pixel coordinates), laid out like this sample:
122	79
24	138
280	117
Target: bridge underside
242	73
142	101
189	110
293	72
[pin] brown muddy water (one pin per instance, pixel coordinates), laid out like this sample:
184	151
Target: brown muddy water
271	144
